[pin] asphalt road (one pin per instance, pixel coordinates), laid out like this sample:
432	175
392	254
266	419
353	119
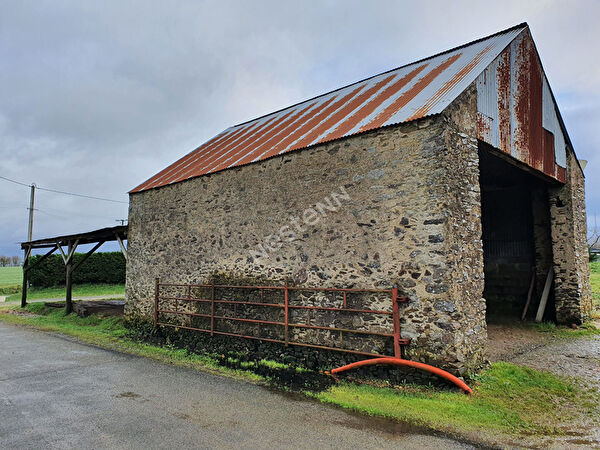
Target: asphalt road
57	393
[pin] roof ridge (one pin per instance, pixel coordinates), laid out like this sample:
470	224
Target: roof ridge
514	27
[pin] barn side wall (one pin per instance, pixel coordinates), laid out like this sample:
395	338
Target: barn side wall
573	298
412	218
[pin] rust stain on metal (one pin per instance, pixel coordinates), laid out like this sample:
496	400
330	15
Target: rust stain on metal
456	78
250	140
312	124
179	162
214	152
266	138
273	145
536	150
503	83
401	101
521	110
342	113
200	153
368	109
211	149
561	174
483	127
548	152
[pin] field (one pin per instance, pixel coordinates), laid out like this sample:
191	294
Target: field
79	290
9	276
595	282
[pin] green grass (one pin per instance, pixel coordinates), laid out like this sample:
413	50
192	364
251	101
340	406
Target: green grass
79	290
111	333
595	281
10	276
563	331
507	399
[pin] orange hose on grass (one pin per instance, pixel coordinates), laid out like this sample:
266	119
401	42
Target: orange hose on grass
405	362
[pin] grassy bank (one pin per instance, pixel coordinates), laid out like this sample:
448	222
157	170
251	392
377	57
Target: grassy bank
81	290
508	399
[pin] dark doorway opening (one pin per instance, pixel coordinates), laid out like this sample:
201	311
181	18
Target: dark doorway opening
517	245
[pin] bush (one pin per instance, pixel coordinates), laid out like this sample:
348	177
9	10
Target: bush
107	267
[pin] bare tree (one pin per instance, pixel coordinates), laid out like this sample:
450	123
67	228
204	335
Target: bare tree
593	239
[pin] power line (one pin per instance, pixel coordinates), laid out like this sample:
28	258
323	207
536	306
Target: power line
64	192
81	195
16	182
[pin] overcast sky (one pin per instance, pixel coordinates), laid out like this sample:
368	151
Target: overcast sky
95	97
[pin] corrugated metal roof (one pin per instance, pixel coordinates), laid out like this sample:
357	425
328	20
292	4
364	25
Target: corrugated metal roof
410	92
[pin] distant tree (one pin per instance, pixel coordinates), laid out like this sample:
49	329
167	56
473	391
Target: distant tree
593	243
4	261
15	260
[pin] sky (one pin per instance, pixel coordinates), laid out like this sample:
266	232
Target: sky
96	97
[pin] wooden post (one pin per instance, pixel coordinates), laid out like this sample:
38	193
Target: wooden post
544	299
529	294
69	282
68	259
24	288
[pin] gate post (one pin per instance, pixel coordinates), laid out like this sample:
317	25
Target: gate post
396	320
286	314
212	310
157	281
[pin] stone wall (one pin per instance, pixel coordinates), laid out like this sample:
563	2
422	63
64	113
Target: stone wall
573	299
409	213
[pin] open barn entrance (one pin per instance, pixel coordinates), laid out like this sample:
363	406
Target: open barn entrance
517	245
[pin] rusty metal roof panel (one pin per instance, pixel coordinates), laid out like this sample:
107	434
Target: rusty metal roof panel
517	113
410	92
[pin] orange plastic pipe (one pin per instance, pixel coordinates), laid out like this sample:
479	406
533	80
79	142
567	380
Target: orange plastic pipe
405	362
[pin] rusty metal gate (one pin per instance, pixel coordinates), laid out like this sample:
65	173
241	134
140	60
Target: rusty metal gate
173	308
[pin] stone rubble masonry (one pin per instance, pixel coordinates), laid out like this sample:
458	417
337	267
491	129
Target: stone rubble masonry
572	292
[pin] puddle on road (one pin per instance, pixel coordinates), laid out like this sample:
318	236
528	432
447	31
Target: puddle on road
128	395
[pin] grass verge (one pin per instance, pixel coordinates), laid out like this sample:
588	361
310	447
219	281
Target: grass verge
81	290
562	331
507	399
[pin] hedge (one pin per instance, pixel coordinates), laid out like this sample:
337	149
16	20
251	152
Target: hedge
106	267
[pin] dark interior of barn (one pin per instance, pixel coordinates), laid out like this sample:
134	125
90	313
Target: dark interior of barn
517	245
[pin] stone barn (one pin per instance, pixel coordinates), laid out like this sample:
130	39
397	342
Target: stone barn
452	178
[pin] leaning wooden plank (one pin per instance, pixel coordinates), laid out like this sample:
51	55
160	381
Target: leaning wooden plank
529	294
544	299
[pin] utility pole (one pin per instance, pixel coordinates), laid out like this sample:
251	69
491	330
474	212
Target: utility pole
28	251
31	200
121	220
